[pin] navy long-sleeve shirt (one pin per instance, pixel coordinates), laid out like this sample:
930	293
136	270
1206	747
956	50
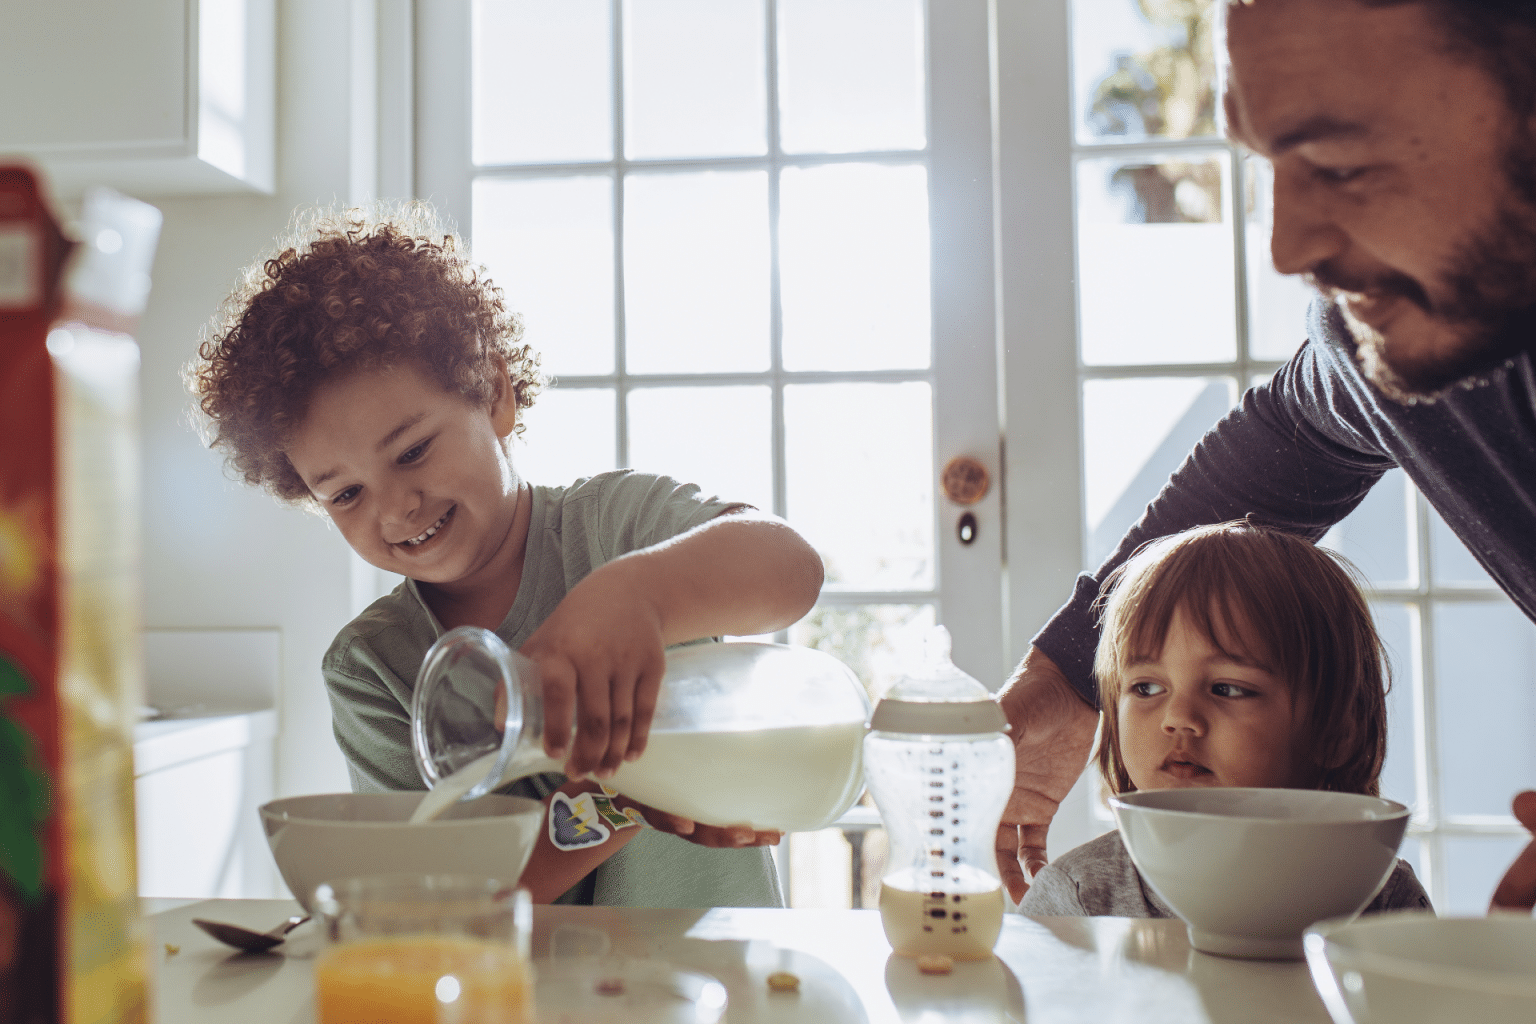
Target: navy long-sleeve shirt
1300	452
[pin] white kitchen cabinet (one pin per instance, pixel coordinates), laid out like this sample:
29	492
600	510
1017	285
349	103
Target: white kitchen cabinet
153	97
197	784
201	771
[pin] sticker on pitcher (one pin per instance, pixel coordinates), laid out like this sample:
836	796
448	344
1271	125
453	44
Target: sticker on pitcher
574	824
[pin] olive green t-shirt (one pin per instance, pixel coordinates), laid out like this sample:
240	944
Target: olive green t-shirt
370	671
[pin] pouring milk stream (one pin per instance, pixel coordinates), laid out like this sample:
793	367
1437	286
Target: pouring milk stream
744	733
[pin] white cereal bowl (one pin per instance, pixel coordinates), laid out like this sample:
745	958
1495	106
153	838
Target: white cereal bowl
1249	869
318	838
1413	968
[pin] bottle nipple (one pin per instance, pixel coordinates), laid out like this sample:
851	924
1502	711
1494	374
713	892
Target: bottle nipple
937	643
937	678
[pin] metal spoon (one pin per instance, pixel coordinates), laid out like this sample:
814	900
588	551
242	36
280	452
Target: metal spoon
247	940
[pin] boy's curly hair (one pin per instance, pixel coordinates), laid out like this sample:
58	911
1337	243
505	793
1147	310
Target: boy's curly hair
347	289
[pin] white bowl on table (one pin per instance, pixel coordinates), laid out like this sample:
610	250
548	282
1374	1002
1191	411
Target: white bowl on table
328	836
1249	869
1410	968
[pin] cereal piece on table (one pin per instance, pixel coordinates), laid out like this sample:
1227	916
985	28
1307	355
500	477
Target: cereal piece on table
783	981
171	950
610	987
935	964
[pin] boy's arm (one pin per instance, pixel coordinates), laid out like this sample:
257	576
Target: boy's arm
600	652
552	870
739	574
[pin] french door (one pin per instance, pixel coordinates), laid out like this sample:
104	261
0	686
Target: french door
752	241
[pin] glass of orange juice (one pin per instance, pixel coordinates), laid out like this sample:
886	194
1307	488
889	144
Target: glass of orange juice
424	949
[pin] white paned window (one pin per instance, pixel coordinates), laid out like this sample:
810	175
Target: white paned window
718	218
804	252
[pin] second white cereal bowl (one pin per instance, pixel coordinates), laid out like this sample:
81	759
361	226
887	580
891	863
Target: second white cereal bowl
1249	869
1415	968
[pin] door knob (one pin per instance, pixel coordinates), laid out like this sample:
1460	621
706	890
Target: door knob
965	480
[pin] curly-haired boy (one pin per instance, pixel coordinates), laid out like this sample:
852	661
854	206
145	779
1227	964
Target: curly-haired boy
369	371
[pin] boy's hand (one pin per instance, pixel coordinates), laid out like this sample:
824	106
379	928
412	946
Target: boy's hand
601	659
715	836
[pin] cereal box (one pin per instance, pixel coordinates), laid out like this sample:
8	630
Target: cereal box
72	944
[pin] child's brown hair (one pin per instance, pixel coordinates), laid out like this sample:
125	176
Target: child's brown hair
350	289
1294	607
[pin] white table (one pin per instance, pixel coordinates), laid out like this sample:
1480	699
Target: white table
1065	970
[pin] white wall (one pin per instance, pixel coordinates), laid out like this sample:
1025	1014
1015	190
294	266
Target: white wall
216	553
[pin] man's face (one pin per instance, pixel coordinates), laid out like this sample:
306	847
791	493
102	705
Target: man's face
1405	186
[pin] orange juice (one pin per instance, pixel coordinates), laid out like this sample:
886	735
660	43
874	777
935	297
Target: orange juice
423	979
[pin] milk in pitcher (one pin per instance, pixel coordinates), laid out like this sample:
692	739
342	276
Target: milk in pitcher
744	734
795	779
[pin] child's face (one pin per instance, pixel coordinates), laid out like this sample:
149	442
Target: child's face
1197	717
392	458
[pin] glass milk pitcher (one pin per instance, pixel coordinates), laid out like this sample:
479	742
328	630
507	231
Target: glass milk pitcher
940	768
744	733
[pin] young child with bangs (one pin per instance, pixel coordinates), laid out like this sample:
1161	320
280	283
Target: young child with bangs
1231	655
369	371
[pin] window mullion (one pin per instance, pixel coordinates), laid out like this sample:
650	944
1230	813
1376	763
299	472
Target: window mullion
778	463
1239	207
775	306
1151	148
621	392
1427	738
1121	371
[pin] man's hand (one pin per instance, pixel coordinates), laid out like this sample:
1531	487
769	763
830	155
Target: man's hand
1052	736
1517	889
601	658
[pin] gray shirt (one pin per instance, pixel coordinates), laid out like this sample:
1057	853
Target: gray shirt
1098	879
370	673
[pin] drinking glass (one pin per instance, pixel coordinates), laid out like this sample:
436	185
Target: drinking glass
424	949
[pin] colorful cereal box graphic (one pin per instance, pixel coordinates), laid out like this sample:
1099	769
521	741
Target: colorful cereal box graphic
72	944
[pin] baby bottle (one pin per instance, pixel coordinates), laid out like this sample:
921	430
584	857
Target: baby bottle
940	769
744	733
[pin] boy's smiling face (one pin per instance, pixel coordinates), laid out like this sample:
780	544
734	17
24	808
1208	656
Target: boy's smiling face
1197	716
415	478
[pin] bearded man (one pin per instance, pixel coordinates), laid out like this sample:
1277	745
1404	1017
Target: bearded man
1403	139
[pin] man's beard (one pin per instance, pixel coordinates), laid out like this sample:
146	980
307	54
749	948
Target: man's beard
1492	310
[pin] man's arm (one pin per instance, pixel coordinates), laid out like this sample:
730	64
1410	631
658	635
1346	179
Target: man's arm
1296	454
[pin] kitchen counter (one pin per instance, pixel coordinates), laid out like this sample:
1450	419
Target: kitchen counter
1064	970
